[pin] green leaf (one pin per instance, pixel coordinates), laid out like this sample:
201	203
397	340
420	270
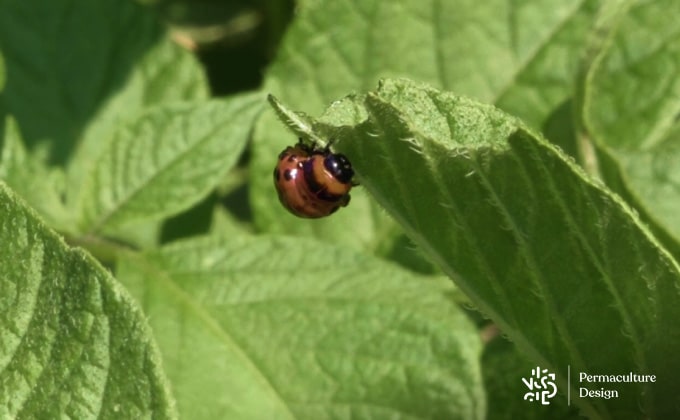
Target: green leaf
165	161
522	56
334	46
631	109
72	343
280	328
361	225
65	64
561	264
29	176
77	72
165	74
3	72
503	364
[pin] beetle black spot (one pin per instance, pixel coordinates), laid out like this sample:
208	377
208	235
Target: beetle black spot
287	175
292	158
277	174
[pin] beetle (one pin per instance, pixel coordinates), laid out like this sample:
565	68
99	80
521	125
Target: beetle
311	181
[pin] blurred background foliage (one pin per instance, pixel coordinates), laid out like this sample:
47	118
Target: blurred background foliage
234	39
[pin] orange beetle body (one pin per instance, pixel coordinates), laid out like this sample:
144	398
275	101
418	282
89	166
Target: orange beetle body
312	182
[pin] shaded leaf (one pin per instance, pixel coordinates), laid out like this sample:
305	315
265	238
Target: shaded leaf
164	74
77	72
2	72
66	61
503	366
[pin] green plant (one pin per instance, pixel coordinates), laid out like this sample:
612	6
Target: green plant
525	151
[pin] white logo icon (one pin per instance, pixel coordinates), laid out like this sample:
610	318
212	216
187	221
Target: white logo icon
541	386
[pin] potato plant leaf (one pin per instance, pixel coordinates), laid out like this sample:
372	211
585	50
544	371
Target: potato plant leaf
65	62
72	342
523	57
631	109
558	261
281	328
2	72
165	161
28	175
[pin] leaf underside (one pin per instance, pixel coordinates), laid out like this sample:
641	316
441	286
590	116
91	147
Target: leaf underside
505	214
